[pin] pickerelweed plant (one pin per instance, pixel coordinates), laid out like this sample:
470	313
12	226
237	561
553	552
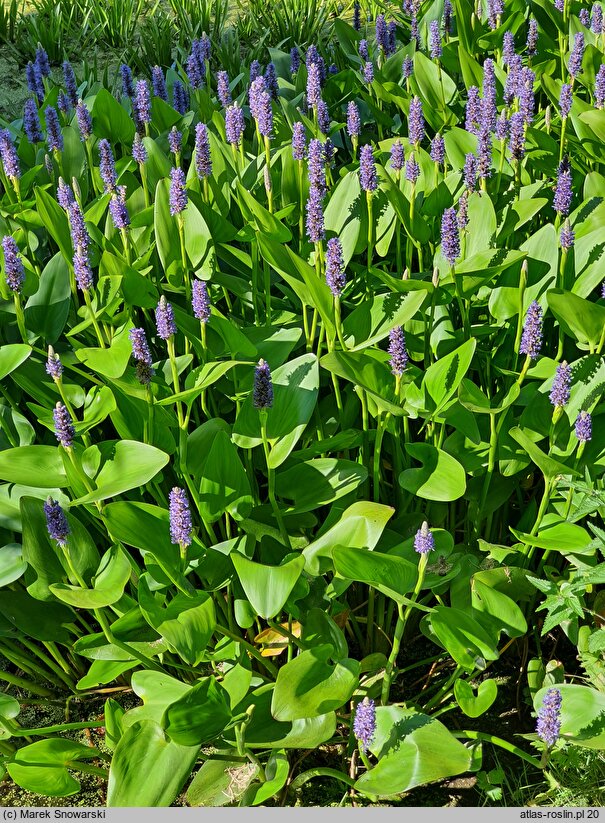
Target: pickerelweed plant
301	372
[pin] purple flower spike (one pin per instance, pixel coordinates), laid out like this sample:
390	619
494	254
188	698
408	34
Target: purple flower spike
35	82
531	339
596	21
412	169
315	216
398	351
353	120
438	149
448	13
416	122
262	393
462	216
203	162
516	139
501	131
367	170
368	72
223	92
118	210
563	190
54	136
397	156
548	726
64	428
107	166
234	124
294	60
42	62
356	15
484	148
435	47
84	120
140	346
584	16
180	97
567	236
424	542
180	518
63	103
178	191
175	140
127	81
56	522
407	67
532	37
473	110
583	427
200	300
382	34
13	265
565	100
158	84
526	94
141	104
470	172
364	51
71	86
298	141
335	268
313	85
265	114
323	117
54	367
599	87
317	165
196	66
255	71
508	47
561	387
364	724
271	81
164	319
31	121
139	152
577	54
450	238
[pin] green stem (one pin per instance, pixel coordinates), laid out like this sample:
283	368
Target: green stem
320	771
20	317
93	317
249	648
498	741
271	480
399	629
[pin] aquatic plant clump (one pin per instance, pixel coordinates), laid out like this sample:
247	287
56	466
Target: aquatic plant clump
301	445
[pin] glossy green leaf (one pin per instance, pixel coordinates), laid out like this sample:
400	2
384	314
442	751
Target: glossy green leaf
317	482
200	715
131	465
474	705
373	320
145	749
412	749
392	576
38	466
42	767
309	685
296	386
267	587
11	357
441	477
108	584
